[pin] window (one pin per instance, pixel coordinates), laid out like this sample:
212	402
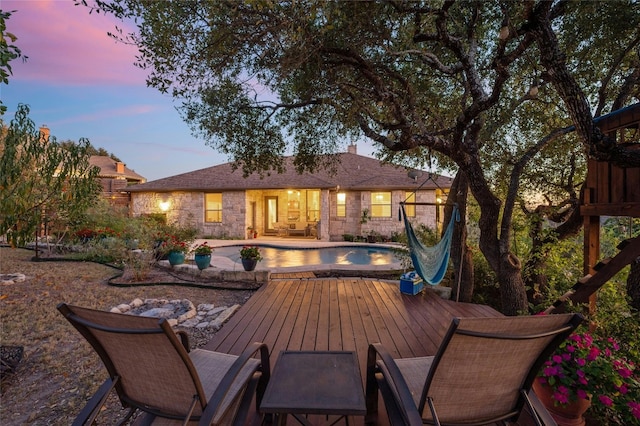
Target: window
410	210
381	204
441	198
293	206
213	207
341	205
313	206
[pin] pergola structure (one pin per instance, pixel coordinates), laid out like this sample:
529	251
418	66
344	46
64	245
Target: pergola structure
610	191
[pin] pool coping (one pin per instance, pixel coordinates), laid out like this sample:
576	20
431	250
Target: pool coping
226	263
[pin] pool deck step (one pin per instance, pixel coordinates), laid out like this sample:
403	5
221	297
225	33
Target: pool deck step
293	275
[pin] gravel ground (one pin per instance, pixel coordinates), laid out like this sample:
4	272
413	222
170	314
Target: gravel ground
59	371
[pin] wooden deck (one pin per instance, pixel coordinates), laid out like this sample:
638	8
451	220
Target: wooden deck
342	314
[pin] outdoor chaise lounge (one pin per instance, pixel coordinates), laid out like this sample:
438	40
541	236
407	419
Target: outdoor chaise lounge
482	373
153	371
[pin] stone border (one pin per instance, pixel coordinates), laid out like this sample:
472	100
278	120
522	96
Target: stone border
217	274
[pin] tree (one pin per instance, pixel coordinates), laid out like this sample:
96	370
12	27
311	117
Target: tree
489	88
41	181
8	52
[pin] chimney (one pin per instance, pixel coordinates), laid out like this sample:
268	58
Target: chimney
44	133
119	167
352	149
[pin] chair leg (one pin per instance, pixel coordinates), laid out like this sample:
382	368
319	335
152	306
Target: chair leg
432	407
371	393
93	407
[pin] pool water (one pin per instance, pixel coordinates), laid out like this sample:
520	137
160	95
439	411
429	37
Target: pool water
284	257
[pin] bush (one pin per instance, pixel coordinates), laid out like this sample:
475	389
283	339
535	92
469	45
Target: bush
107	234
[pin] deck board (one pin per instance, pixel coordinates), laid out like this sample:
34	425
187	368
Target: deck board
304	313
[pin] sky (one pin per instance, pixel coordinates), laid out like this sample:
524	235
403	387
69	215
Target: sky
80	83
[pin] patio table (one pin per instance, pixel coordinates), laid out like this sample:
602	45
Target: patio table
315	382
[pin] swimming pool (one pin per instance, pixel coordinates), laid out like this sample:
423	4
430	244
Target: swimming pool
286	257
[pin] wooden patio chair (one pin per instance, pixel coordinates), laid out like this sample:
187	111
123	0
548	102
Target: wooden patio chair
482	373
152	370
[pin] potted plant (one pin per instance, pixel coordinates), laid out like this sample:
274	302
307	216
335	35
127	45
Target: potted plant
202	255
175	250
590	371
252	232
250	256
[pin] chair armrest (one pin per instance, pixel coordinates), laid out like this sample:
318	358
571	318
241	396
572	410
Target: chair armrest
184	339
395	380
539	413
93	407
225	384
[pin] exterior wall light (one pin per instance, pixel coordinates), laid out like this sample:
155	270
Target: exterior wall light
164	203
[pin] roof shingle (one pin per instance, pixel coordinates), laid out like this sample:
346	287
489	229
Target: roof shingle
353	172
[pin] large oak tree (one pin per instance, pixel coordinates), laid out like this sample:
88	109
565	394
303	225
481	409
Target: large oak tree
486	88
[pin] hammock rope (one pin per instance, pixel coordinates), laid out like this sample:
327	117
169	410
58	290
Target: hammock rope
430	262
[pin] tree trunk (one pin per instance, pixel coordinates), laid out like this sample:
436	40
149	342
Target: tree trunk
463	278
633	284
535	279
504	263
512	291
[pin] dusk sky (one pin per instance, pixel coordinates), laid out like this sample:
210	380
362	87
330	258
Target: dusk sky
81	83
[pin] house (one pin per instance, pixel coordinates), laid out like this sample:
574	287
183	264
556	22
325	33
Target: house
361	198
115	177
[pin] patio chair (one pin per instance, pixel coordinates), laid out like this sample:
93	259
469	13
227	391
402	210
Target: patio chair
152	370
482	373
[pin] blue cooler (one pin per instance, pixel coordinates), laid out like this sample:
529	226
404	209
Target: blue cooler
411	283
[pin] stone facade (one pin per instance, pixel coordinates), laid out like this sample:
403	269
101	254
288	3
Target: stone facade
243	209
358	201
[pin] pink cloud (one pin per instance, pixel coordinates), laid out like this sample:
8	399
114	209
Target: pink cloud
68	46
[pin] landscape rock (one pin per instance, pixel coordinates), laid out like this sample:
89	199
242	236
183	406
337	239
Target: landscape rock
179	313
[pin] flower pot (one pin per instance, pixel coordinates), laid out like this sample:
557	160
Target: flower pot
175	258
202	261
571	414
249	264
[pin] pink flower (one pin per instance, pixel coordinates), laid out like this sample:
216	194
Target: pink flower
593	354
624	372
623	389
550	371
613	342
605	400
561	398
635	408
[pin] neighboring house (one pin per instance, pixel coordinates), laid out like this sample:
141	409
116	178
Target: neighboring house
115	177
362	198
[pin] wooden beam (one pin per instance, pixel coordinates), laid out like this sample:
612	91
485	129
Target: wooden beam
589	284
426	204
613	209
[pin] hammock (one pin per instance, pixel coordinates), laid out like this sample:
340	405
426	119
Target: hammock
430	262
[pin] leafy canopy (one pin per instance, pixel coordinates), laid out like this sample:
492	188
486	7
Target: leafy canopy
41	180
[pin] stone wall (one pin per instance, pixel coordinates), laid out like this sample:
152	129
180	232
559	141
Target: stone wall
356	202
187	209
241	209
